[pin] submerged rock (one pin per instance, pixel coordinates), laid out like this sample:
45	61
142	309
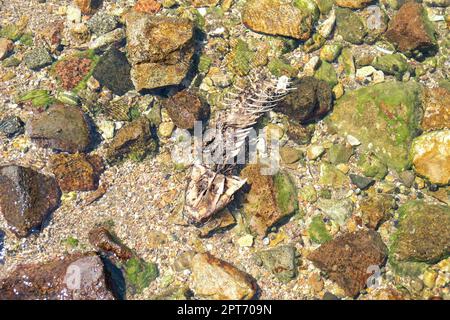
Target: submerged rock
37	58
270	199
281	261
436	103
73	277
278	17
350	26
431	156
353	4
216	279
375	209
384	117
338	210
185	108
101	238
11	126
348	259
26	198
61	128
159	49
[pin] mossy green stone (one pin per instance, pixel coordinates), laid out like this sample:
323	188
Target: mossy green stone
393	64
279	67
372	167
384	117
140	274
327	73
350	26
286	193
318	231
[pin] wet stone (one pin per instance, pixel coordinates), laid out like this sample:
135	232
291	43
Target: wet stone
37	58
360	181
11	127
102	239
185	108
281	261
102	23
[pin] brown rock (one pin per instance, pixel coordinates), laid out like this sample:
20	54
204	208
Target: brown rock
204	3
72	70
374	209
347	259
147	6
410	28
88	6
77	172
61	127
185	108
102	239
216	279
74	277
436	103
26	198
6	46
354	4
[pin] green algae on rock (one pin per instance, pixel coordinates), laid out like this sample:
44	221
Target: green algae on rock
372	167
327	73
422	237
384	117
139	273
278	17
318	231
393	64
350	26
281	261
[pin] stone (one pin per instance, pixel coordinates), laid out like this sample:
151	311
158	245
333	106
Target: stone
317	230
376	22
361	182
347	61
384	117
372	167
6	46
347	259
246	241
393	64
72	277
338	210
60	127
270	199
102	239
375	208
26	198
221	221
11	126
350	26
311	99
278	17
185	108
436	104
422	237
76	172
216	279
314	152
327	73
410	29
338	153
147	6
331	176
280	261
88	6
290	155
308	193
104	41
102	23
330	52
204	3
160	49
353	4
134	140
37	58
71	70
430	154
139	274
114	72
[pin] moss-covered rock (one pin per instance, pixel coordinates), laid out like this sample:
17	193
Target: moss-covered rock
139	274
384	117
279	67
327	73
350	26
393	64
372	167
317	230
241	58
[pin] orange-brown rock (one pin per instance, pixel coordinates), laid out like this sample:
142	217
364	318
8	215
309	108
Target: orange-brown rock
436	103
88	6
147	6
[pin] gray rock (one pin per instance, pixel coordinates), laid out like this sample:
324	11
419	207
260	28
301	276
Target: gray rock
102	23
280	261
11	126
37	58
338	210
361	181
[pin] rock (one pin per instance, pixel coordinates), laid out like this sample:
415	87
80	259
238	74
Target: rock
278	17
134	140
394	64
159	49
338	210
73	277
221	221
376	22
26	198
330	52
331	176
88	6
347	61
300	134
327	73
280	261
410	29
70	71
384	117
372	167
290	155
353	4
436	102
6	47
104	41
350	26
113	71
37	58
375	209
246	241
311	99
437	3
102	239
102	23
216	279
308	193
270	199
11	126
407	178
139	274
339	154
347	259
76	172
147	6
314	152
61	128
431	156
317	230
204	3
422	237
185	108
361	182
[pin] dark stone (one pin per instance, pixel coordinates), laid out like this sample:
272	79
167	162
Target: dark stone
347	258
61	128
311	100
103	240
361	181
329	296
113	72
74	277
26	198
11	127
185	108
